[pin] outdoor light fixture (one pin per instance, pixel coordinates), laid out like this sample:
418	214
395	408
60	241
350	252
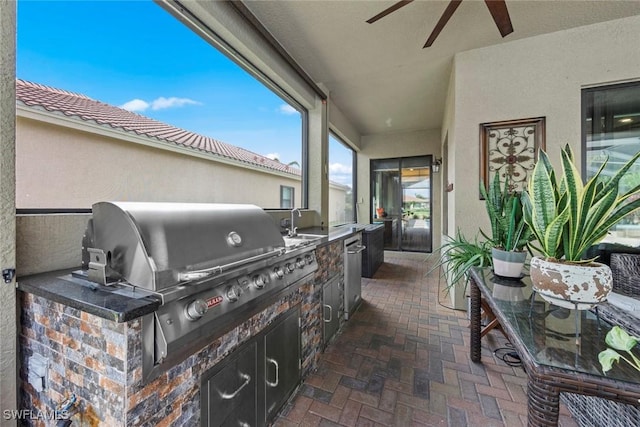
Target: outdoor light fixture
435	166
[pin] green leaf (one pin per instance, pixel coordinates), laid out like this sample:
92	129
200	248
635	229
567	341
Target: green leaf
620	340
511	226
504	208
565	215
553	233
606	359
458	254
613	183
545	209
542	198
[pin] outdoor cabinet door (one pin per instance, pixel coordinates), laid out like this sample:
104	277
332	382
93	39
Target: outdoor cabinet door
281	362
331	309
232	398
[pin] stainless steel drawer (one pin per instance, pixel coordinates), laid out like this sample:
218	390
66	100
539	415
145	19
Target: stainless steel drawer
232	396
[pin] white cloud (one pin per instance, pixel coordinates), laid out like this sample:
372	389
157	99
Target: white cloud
341	174
135	105
273	156
162	102
287	109
339	169
138	105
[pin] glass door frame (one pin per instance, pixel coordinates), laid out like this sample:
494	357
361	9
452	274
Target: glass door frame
398	228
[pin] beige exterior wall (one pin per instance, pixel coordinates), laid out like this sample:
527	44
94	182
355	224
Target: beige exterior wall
60	167
337	205
538	76
63	167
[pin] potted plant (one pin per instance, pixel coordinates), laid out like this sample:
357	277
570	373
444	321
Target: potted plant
456	256
567	217
510	234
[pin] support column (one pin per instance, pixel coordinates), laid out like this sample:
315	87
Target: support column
8	316
318	165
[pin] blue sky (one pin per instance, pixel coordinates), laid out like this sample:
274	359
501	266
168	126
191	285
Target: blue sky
136	55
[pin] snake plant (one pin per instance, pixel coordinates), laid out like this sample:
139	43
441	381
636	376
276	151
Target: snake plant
565	215
509	231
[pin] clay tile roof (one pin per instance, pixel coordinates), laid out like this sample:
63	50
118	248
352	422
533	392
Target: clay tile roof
84	108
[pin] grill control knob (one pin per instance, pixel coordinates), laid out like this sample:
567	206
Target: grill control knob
289	268
300	263
196	309
234	292
309	259
279	272
260	280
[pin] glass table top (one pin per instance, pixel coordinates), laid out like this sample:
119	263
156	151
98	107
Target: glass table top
554	336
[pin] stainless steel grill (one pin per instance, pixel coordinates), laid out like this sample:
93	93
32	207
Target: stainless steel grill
211	265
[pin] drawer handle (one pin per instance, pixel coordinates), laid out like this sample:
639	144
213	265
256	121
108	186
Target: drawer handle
330	313
275	383
358	250
247	380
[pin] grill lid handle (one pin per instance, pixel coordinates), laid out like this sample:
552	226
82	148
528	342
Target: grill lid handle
219	269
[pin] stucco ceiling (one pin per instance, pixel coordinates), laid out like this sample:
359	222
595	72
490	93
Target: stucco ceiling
379	75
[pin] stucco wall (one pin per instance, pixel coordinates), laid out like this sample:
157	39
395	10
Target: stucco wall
49	242
339	124
8	319
538	76
65	168
448	155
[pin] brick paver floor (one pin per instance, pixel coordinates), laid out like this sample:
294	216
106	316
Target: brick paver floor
403	360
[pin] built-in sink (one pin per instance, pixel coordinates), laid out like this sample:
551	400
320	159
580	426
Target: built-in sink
301	239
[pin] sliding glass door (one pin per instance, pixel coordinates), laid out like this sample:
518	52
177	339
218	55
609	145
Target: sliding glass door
401	200
386	199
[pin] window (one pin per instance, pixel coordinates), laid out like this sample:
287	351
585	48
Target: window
228	126
611	129
341	183
287	198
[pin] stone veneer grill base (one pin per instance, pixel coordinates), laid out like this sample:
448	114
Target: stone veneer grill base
101	361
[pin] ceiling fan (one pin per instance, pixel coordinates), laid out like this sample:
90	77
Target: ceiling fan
497	8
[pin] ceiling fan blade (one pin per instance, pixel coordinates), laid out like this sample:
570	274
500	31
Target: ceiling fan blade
453	5
500	14
388	10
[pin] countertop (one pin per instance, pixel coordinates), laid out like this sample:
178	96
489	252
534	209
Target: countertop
118	303
334	233
121	303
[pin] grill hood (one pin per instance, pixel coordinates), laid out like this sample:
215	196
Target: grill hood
159	245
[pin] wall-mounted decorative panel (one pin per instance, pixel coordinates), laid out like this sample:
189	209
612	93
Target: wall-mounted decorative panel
510	149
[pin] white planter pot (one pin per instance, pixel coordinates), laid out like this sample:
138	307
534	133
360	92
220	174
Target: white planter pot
508	263
578	286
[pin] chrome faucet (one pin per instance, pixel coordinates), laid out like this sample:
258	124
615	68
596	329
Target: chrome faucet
293	231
